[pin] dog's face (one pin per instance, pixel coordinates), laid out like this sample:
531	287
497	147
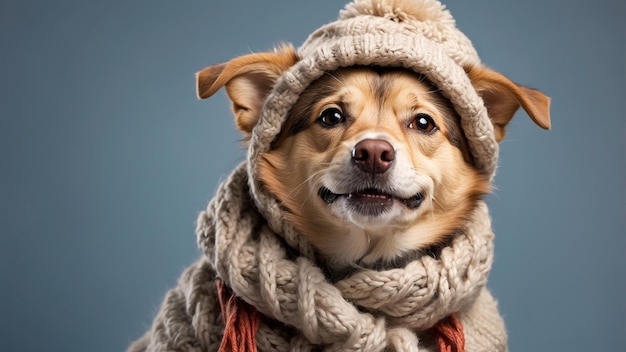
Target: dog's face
371	163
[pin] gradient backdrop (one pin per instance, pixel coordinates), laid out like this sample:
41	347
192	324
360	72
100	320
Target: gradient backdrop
107	157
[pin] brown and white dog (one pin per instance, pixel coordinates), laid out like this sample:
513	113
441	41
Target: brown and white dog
374	154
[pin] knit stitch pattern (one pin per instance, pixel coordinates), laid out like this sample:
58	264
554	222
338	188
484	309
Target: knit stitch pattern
367	311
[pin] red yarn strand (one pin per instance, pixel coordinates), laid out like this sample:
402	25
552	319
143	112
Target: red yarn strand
450	335
241	321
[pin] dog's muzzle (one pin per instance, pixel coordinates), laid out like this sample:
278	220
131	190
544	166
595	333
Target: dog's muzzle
372	158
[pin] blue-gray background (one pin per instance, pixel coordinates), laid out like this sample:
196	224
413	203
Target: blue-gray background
107	157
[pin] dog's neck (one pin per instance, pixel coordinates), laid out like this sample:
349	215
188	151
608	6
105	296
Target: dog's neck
361	248
337	270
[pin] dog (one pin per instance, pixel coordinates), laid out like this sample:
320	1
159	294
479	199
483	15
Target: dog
357	220
371	164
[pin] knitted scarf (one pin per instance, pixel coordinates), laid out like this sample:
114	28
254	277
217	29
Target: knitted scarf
390	310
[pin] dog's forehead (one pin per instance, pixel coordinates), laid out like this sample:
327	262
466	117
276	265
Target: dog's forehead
364	86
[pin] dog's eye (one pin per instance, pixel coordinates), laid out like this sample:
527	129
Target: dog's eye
331	117
423	122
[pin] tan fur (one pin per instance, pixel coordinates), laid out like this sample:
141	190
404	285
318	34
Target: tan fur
306	155
503	97
248	80
293	170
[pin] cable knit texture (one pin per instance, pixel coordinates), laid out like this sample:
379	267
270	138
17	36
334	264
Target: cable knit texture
266	263
367	311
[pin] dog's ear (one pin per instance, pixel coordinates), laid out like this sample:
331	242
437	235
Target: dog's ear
503	97
248	80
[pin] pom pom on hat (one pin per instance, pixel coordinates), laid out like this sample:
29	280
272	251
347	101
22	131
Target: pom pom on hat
399	10
430	18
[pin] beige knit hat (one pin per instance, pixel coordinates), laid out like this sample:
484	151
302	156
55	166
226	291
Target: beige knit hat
419	35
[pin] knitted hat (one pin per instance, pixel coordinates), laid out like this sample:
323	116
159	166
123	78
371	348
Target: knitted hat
419	35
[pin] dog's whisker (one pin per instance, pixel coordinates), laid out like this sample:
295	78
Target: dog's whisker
329	74
435	201
307	180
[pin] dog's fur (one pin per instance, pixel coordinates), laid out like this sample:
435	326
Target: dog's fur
372	163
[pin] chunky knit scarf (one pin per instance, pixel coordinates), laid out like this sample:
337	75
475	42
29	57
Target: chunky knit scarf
302	310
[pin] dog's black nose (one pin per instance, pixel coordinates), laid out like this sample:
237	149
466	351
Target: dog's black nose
373	156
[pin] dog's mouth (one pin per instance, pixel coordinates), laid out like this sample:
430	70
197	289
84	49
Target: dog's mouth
370	201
